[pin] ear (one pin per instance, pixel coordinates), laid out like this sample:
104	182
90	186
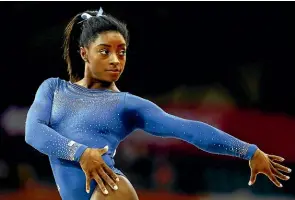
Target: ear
84	53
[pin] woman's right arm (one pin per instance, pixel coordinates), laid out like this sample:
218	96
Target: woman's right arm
39	135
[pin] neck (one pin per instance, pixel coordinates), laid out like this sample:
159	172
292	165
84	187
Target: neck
96	84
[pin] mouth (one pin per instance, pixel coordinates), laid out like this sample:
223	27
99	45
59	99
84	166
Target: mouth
114	71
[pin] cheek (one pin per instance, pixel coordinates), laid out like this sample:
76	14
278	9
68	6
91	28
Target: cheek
123	62
97	63
96	58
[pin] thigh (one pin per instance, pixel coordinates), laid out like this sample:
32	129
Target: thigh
125	192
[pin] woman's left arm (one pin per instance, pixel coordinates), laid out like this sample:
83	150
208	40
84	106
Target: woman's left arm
151	118
145	115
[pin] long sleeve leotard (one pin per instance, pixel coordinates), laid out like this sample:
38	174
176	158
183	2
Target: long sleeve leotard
66	118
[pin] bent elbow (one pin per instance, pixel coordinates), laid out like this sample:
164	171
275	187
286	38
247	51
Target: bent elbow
28	137
29	134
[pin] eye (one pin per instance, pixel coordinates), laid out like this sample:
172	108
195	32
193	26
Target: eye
104	51
122	52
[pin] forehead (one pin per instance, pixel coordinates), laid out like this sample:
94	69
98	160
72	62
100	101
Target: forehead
110	37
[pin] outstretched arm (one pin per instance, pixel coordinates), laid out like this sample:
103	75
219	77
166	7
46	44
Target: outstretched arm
152	119
38	132
145	115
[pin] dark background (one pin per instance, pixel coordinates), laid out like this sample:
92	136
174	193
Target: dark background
179	52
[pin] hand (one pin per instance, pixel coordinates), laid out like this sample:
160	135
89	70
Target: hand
94	167
265	164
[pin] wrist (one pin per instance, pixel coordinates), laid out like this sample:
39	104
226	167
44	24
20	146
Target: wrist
252	149
256	154
81	152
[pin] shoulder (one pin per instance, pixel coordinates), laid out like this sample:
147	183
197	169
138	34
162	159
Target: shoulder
129	96
131	99
53	81
135	97
50	84
50	81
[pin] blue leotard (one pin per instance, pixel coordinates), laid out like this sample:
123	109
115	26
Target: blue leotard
66	118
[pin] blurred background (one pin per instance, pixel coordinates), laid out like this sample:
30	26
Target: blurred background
229	64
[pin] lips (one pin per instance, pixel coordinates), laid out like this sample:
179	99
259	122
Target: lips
114	70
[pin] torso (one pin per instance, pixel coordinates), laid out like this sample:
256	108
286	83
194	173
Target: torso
87	116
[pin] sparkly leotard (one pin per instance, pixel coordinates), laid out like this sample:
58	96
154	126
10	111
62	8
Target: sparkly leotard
66	118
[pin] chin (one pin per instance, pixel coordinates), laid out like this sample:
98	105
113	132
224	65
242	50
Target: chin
111	80
114	78
108	79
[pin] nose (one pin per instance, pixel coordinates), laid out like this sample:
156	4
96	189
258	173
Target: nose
114	59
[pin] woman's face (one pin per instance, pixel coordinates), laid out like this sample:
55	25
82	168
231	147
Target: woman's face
105	57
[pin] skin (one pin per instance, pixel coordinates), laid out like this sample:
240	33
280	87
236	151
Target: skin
105	60
262	163
126	192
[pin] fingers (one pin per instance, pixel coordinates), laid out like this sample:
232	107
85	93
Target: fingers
104	150
88	179
110	172
252	178
98	170
100	184
107	179
281	167
276	158
274	179
279	174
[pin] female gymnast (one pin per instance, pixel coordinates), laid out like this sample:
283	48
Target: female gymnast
79	123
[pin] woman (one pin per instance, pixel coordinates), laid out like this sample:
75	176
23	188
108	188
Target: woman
79	123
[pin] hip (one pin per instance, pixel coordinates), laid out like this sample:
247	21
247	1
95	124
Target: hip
125	191
71	181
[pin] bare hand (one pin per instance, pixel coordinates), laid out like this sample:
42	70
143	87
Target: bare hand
265	164
94	167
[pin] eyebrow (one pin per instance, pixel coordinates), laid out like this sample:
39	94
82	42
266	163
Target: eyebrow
107	45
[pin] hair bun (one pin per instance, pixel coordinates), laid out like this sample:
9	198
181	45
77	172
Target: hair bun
86	16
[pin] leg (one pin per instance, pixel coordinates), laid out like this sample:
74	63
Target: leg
125	192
